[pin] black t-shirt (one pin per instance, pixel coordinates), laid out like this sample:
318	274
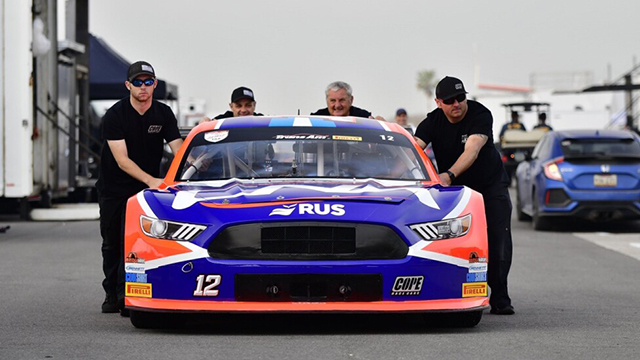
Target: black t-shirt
229	114
448	141
144	136
353	111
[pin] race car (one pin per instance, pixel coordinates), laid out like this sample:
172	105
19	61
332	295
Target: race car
296	214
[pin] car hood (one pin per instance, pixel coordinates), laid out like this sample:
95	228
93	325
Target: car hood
242	201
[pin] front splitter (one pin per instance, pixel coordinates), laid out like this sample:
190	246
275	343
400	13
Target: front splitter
446	305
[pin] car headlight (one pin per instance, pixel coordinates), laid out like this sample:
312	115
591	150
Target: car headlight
443	229
169	230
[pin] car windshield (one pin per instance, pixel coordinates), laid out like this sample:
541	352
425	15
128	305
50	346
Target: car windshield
279	152
622	148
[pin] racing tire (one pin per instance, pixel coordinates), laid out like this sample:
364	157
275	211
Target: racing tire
539	222
466	319
152	320
520	215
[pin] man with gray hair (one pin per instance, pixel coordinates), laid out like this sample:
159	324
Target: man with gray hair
339	100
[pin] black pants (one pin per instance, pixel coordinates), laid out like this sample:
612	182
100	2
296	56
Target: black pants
497	204
112	214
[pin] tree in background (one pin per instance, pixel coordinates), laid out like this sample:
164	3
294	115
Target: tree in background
426	83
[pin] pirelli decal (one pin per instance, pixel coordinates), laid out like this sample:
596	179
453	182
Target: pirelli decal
474	289
138	289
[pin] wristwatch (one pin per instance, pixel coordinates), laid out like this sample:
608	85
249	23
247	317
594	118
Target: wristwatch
452	176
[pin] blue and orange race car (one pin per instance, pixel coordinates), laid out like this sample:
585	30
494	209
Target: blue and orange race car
304	214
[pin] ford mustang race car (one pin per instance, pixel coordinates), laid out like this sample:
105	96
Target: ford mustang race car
304	214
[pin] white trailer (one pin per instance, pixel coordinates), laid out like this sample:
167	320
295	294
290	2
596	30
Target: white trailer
16	100
44	94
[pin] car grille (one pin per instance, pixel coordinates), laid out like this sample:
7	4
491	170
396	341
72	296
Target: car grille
308	287
308	241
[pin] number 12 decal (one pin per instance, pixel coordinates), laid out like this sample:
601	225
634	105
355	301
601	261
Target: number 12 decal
212	281
387	137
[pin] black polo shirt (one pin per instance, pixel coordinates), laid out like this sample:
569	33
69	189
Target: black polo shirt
144	135
448	141
353	111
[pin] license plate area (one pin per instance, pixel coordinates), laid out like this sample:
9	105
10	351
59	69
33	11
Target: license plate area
308	287
605	180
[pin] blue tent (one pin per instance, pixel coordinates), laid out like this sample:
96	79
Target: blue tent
108	72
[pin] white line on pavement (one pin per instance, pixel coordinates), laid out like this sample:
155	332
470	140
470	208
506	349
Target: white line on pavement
623	243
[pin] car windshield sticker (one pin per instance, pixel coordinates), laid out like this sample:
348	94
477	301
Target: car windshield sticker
347	138
216	136
301	137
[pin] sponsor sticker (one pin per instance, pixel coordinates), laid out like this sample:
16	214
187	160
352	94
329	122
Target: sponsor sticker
138	290
478	267
407	286
134	268
476	277
474	289
474	258
132	257
139	278
216	136
347	138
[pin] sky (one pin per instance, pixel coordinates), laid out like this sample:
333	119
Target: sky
288	51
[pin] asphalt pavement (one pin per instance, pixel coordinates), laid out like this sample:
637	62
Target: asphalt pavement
574	299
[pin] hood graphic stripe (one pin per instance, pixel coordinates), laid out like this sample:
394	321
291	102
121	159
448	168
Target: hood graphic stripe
196	253
144	205
417	251
466	196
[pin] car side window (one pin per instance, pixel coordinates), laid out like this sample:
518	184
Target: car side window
539	146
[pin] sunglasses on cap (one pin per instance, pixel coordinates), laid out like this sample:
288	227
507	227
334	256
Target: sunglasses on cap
460	98
138	82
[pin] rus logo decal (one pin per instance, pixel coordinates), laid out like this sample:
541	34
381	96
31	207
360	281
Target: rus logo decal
474	289
310	209
138	290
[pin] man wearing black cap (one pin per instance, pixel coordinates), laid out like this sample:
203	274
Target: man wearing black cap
460	132
243	103
134	132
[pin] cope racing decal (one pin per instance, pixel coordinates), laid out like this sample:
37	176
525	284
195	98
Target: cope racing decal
407	286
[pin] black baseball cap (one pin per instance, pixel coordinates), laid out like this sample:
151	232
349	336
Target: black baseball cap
242	93
401	111
449	87
139	68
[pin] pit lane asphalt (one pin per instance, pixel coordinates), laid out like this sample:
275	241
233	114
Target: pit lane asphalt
574	300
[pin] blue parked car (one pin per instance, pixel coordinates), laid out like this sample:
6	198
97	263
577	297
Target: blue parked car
587	174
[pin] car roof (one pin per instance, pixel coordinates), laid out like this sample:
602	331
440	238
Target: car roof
299	121
594	134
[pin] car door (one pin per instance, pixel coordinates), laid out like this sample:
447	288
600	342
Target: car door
531	169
